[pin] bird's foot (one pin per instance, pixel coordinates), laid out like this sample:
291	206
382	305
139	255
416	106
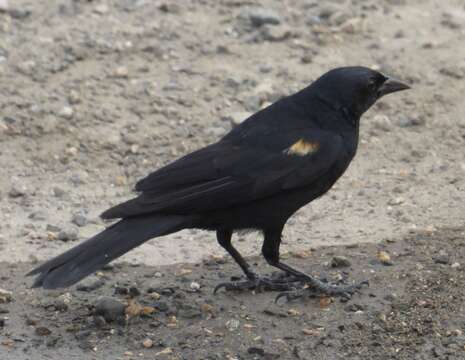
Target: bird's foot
282	282
314	287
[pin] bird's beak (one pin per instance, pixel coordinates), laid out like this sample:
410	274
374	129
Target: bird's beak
391	85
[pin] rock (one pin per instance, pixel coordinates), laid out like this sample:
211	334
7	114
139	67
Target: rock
90	283
441	259
232	324
195	286
66	112
17	190
384	258
101	9
275	33
68	234
340	261
187	311
5	296
382	122
236	118
160	306
2	322
147	343
408	121
38	215
79	219
43	331
256	351
111	309
58	192
259	16
4	6
121	72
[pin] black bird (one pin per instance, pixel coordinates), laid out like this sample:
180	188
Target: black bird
256	177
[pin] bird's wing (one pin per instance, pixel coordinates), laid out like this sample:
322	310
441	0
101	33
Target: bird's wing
231	173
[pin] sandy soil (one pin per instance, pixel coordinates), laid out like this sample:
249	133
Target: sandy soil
96	94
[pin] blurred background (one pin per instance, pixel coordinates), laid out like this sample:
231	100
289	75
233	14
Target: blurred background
96	94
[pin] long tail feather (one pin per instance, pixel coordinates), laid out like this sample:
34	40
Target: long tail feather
80	261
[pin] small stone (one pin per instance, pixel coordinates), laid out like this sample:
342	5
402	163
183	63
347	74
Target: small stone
17	190
275	33
43	331
384	258
58	191
236	118
259	16
2	322
455	265
4	6
161	306
154	295
68	234
111	309
66	112
382	122
121	72
195	286
147	343
79	219
441	259
207	308
5	296
189	312
90	283
232	324
408	121
166	351
256	351
340	261
101	9
311	332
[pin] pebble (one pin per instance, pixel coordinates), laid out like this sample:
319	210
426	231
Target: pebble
382	122
187	311
5	296
43	331
79	219
384	258
147	343
68	234
17	191
455	265
66	112
259	16
121	72
4	6
2	322
236	118
340	261
409	121
275	33
232	324
90	283
111	309
195	286
441	259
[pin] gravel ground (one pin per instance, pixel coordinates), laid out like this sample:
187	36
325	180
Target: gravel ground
96	94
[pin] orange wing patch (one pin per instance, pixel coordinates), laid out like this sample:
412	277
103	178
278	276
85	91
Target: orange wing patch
302	148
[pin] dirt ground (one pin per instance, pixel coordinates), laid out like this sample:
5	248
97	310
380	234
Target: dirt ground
96	94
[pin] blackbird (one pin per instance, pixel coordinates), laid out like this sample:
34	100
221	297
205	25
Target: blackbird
255	178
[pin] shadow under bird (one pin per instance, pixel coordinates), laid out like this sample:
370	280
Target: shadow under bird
256	177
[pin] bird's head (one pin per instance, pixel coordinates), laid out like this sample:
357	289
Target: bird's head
355	88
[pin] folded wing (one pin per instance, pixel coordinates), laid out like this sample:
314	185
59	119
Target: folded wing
229	173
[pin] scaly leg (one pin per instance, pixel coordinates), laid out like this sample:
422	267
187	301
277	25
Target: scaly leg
253	281
270	251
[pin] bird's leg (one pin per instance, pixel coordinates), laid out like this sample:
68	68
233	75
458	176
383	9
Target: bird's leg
253	281
314	286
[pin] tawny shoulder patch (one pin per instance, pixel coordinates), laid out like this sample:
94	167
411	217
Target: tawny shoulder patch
302	148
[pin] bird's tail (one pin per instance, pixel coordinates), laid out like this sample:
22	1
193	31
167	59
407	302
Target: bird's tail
78	262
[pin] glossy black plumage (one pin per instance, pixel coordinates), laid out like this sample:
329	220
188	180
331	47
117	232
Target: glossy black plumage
256	177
